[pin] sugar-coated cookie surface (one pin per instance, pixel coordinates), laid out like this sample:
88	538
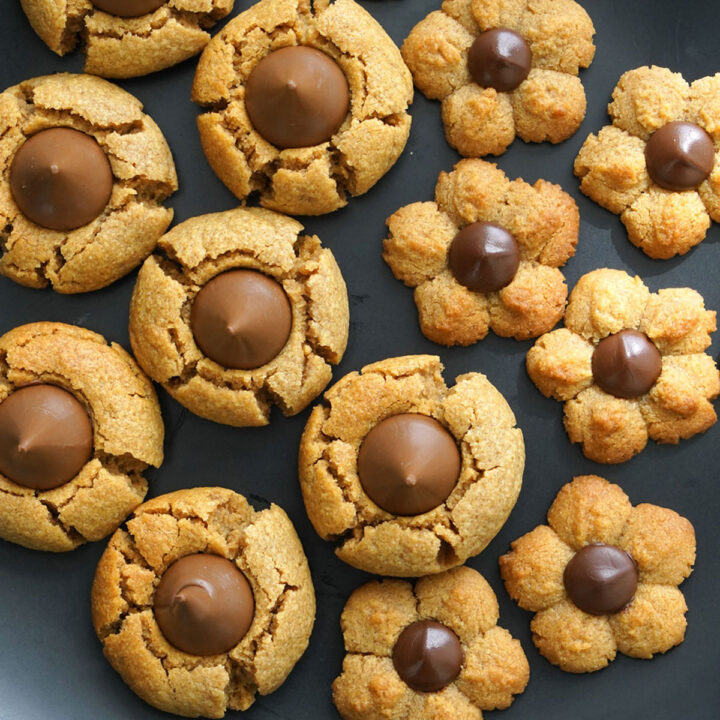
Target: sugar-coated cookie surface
127	435
587	515
123	47
492	668
263	545
370	538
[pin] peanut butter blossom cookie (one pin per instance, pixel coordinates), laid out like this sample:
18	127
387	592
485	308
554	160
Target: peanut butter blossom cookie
429	651
239	311
79	424
503	69
406	476
126	38
629	364
602	577
305	104
655	166
485	255
83	174
201	602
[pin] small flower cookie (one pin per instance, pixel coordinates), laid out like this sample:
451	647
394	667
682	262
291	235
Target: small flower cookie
503	69
485	255
655	166
602	577
629	364
429	651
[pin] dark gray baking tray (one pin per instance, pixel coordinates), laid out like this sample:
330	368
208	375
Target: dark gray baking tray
51	666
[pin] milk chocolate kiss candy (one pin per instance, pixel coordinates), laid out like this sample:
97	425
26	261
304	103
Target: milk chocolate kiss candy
484	257
428	656
626	364
297	97
679	156
128	8
499	59
601	579
46	437
408	464
203	604
61	179
241	319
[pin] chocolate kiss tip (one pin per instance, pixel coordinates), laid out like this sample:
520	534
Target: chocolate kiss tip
411	481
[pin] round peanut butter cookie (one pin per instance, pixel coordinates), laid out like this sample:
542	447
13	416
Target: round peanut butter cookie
239	311
126	38
305	103
485	255
503	69
602	577
406	476
656	165
83	173
201	602
432	650
79	424
629	364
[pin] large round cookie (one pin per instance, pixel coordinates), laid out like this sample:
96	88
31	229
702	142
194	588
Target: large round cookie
127	432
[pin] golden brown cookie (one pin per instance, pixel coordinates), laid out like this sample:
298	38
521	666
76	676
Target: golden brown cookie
676	380
262	545
122	47
641	554
316	179
143	176
198	250
457	303
492	459
481	111
663	215
127	435
488	664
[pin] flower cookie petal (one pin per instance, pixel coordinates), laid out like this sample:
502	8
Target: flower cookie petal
495	670
549	105
604	302
573	640
375	615
661	542
498	13
647	98
653	623
664	223
478	121
448	704
610	429
560	364
436	52
611	168
533	569
704	105
418	241
710	191
531	304
450	314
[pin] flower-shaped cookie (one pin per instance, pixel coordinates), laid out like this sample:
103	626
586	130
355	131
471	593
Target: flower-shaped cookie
485	254
629	364
503	69
430	651
655	166
602	577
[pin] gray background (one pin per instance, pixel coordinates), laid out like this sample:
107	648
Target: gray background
51	665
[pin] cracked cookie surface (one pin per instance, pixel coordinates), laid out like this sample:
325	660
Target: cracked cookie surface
265	548
310	180
368	537
127	435
125	233
494	666
198	250
123	47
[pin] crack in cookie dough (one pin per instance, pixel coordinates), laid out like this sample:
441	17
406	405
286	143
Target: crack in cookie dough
372	539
